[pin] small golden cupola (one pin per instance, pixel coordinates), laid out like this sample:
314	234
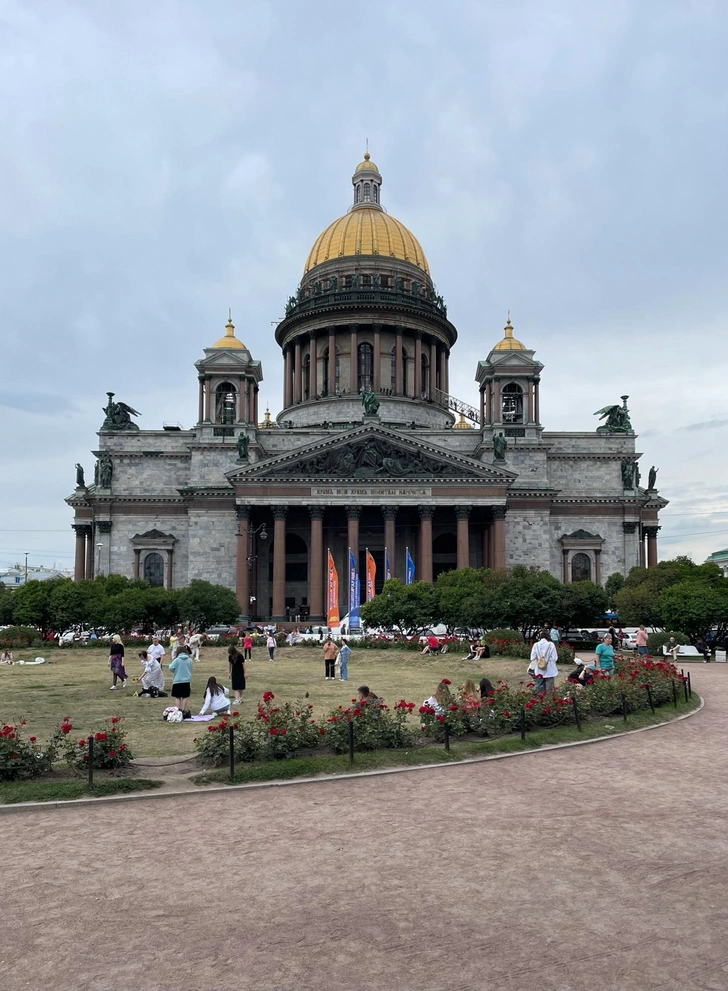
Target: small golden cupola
509	342
229	340
462	424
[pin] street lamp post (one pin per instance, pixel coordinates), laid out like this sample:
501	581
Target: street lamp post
251	559
98	558
26	567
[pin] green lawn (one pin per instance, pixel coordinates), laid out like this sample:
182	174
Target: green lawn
77	683
47	790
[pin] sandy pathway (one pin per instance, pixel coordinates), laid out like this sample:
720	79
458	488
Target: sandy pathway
599	867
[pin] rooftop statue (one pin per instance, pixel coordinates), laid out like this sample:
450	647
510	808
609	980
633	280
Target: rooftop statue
617	419
118	415
80	483
370	402
500	446
243	441
652	478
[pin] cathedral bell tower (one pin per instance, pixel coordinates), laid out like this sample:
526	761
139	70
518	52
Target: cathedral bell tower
509	389
229	381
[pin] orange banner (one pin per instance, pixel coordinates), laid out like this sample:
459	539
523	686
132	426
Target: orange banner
371	576
333	611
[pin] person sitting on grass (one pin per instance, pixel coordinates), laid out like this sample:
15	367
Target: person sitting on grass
181	668
470	692
583	674
216	698
7	656
367	695
442	697
432	646
153	678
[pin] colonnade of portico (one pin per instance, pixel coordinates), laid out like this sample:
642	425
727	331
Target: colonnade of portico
473	536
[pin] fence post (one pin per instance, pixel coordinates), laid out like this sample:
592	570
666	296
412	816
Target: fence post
674	692
577	714
649	698
351	742
690	686
685	687
231	738
91	760
446	727
624	707
523	724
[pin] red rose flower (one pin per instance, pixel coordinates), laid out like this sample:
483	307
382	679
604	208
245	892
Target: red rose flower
441	719
82	743
236	713
32	738
446	681
506	714
11	736
283	731
322	731
123	746
273	731
115	719
112	753
15	757
211	729
453	708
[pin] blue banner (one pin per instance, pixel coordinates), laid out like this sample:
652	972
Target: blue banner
387	569
354	594
410	569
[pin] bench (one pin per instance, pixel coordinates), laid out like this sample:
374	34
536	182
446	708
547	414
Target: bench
684	651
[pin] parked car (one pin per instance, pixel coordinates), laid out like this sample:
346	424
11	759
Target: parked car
215	632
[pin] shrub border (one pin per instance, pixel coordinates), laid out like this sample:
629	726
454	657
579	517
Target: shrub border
347	775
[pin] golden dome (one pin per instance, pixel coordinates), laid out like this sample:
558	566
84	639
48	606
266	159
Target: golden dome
509	342
367	230
367	165
229	340
462	424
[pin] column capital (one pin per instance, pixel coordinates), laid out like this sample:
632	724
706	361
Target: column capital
629	527
462	512
354	327
651	531
499	512
376	327
279	512
353	512
103	526
389	512
242	512
317	512
426	512
82	529
200	378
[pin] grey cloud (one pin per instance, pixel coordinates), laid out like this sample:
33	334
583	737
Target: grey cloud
705	425
45	403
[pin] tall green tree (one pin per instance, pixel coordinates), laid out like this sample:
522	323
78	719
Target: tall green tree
693	606
529	599
411	608
204	604
583	604
32	603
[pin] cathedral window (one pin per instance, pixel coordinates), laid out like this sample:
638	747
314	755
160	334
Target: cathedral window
512	404
347	281
225	403
366	281
366	192
385	282
365	368
581	568
325	388
307	377
374	192
425	383
154	569
358	193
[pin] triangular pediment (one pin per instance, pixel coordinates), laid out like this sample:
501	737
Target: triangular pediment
372	453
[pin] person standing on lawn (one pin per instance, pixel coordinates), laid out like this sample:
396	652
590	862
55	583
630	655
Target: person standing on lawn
345	654
181	667
116	662
330	652
195	642
156	650
248	646
543	663
271	645
238	672
605	656
641	641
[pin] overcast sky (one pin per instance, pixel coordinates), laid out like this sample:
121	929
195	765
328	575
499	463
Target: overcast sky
161	162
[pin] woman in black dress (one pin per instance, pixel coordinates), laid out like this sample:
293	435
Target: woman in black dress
236	662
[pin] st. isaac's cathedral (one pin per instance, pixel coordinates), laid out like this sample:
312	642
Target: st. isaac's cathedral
370	450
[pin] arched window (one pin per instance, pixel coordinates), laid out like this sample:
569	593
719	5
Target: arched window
307	377
358	193
154	569
225	403
374	191
512	404
425	371
366	192
365	367
581	568
325	387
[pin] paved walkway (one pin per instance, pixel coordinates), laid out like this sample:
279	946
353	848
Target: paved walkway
591	868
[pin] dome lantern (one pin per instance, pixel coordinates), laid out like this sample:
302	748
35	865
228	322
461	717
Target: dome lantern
367	183
509	342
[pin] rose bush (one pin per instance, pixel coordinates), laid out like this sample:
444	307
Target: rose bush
25	757
376	726
110	748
